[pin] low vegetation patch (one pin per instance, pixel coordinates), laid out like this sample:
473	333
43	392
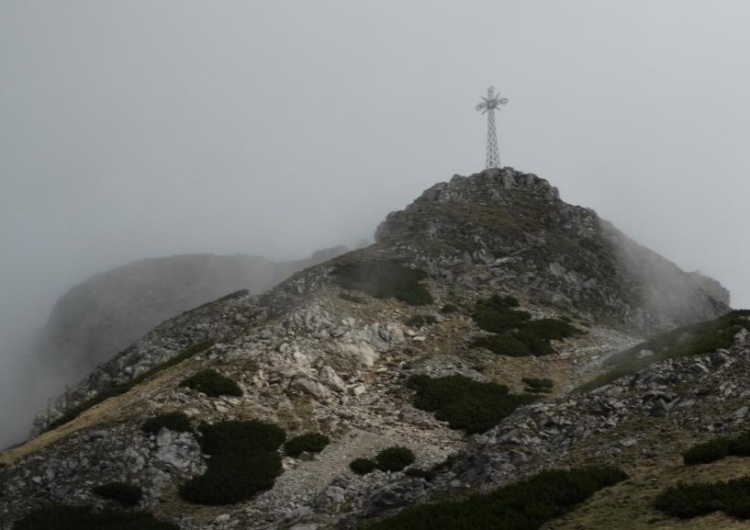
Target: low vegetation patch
122	492
244	461
693	500
427	474
362	466
498	314
212	383
311	442
718	448
174	421
465	403
117	390
515	334
61	517
504	344
536	384
448	309
525	505
384	279
695	339
394	458
420	321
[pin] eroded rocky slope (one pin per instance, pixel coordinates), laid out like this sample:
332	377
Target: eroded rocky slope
96	319
315	355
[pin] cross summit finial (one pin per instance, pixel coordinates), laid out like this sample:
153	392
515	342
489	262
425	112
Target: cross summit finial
489	105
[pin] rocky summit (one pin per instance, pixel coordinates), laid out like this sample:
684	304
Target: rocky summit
497	359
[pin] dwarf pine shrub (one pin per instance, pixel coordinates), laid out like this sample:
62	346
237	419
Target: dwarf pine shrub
416	472
707	452
394	458
122	492
174	421
514	333
212	383
464	403
448	309
693	500
362	466
718	448
503	344
62	517
524	505
384	279
311	442
244	461
536	384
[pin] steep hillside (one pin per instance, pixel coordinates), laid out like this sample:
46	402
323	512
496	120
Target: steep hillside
103	315
482	332
515	227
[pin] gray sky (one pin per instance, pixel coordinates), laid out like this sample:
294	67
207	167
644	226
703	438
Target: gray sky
149	128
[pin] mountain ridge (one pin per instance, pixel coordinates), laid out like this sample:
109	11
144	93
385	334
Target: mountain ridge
331	351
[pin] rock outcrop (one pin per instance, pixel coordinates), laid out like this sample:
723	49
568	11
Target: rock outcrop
516	227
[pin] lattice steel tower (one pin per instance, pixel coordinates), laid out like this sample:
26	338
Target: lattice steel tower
490	104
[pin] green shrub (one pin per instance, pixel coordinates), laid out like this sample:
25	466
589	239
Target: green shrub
524	505
537	390
707	452
538	385
503	344
122	492
420	321
535	344
312	442
740	445
465	403
427	474
117	390
229	437
516	335
500	302
384	279
244	461
537	382
394	458
693	500
174	421
447	309
497	320
212	383
61	517
436	393
551	329
718	448
362	466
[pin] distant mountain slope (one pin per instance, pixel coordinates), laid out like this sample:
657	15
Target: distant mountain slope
101	316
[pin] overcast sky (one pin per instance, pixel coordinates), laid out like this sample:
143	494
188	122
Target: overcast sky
154	127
